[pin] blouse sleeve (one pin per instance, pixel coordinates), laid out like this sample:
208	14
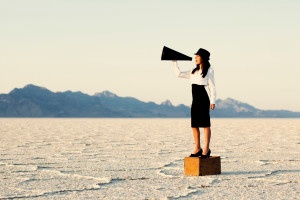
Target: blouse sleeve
179	73
211	86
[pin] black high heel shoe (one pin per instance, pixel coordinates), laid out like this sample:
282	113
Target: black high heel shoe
198	154
207	155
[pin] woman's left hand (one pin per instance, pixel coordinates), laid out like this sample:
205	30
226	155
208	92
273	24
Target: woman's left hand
212	106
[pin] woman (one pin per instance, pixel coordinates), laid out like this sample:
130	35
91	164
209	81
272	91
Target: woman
204	96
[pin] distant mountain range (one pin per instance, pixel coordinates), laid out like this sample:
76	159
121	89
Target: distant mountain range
35	101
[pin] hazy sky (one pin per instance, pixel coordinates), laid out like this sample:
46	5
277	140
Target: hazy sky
95	45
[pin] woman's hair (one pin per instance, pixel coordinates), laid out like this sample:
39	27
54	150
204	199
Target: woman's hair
205	65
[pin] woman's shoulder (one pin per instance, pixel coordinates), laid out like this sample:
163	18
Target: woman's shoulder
211	69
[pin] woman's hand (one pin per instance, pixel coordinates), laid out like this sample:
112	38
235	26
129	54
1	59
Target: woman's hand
212	106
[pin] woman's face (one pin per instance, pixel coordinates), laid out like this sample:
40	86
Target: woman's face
198	60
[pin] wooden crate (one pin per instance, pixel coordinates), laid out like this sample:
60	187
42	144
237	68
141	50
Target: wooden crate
195	166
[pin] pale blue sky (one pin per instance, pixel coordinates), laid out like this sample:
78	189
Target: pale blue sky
94	45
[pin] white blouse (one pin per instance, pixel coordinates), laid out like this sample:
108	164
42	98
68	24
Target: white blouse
197	78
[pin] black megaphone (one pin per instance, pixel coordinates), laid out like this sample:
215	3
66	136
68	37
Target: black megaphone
170	54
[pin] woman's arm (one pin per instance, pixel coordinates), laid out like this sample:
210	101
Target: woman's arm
211	86
179	73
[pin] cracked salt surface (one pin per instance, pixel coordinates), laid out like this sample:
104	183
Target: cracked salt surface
143	159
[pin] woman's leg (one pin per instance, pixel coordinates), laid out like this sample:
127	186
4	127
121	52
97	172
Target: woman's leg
207	135
196	133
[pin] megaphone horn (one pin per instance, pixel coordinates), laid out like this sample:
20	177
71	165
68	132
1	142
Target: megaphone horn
170	54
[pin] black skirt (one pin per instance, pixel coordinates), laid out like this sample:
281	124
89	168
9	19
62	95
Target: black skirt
200	107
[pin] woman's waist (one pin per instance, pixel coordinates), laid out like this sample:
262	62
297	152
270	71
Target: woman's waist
198	86
198	92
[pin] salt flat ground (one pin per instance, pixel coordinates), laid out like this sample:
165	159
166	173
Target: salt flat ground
143	159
